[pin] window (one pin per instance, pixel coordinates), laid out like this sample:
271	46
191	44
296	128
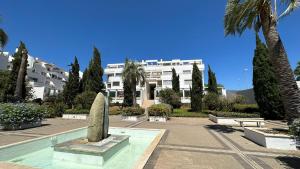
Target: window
121	66
188	82
187	71
167	82
118	74
138	94
167	72
166	64
116	83
187	93
120	94
112	93
43	73
181	93
186	63
108	85
152	63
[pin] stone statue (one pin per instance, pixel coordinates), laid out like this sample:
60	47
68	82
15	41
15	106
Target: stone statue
99	120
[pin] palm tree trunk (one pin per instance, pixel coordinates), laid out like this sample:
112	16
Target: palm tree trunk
287	84
21	78
133	94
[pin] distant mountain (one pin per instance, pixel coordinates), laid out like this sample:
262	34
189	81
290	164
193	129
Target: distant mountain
247	93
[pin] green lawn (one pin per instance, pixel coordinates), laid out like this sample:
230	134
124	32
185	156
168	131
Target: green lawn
183	112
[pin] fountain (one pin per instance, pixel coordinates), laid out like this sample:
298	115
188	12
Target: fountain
98	146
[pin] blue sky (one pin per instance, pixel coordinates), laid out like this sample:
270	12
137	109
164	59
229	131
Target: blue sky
58	30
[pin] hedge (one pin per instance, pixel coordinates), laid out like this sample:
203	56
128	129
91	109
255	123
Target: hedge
77	111
132	111
115	110
246	108
234	114
160	110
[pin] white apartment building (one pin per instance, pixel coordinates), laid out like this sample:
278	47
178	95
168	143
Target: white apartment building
45	79
158	77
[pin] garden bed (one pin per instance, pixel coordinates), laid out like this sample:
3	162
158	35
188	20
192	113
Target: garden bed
232	120
22	126
157	119
75	116
271	138
132	118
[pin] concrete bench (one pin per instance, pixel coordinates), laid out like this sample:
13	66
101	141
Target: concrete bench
242	121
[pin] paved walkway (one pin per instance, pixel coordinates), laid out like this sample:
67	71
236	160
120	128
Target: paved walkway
189	143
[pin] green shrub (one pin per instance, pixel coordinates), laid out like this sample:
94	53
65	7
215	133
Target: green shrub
168	96
52	111
246	108
17	114
295	128
211	101
184	112
77	111
160	110
115	110
132	111
234	114
85	100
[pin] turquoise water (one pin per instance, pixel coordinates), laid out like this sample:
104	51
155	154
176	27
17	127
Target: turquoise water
125	158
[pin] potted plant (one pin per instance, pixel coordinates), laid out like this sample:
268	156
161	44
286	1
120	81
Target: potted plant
159	112
132	113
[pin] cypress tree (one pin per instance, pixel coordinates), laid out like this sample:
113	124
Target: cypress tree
128	96
175	81
212	82
72	86
13	76
297	72
197	89
94	81
83	81
265	85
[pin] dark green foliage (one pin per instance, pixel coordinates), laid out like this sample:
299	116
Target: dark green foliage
93	80
17	114
246	108
83	81
77	111
85	100
197	89
175	81
16	63
297	72
115	110
168	96
4	78
211	101
54	106
3	38
71	89
294	128
132	111
212	82
128	96
160	110
265	84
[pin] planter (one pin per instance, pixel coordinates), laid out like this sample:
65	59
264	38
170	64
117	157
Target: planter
275	141
157	119
22	126
131	118
75	116
231	121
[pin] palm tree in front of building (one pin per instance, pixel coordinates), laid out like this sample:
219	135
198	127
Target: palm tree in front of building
134	74
262	15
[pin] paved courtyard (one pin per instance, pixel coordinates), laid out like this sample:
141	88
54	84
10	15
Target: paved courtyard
189	143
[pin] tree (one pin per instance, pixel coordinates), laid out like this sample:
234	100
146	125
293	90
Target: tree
134	74
168	96
20	92
16	62
4	77
3	38
94	81
128	96
197	89
83	81
71	88
265	84
212	81
175	81
297	72
259	14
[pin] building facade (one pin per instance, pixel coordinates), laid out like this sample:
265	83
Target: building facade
4	60
158	77
45	79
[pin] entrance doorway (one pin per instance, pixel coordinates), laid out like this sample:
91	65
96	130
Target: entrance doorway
151	91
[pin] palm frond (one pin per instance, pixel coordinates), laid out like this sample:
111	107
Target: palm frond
291	6
242	14
3	38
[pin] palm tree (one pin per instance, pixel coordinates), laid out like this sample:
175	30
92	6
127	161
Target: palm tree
133	73
19	92
262	15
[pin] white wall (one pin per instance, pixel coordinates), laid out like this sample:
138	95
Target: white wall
3	60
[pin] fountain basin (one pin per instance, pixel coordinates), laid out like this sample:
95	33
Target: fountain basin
81	151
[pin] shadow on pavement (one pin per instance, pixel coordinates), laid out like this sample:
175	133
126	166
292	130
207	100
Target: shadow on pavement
223	129
290	162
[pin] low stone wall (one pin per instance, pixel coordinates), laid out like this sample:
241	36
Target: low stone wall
131	118
75	116
231	121
275	141
23	126
157	119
